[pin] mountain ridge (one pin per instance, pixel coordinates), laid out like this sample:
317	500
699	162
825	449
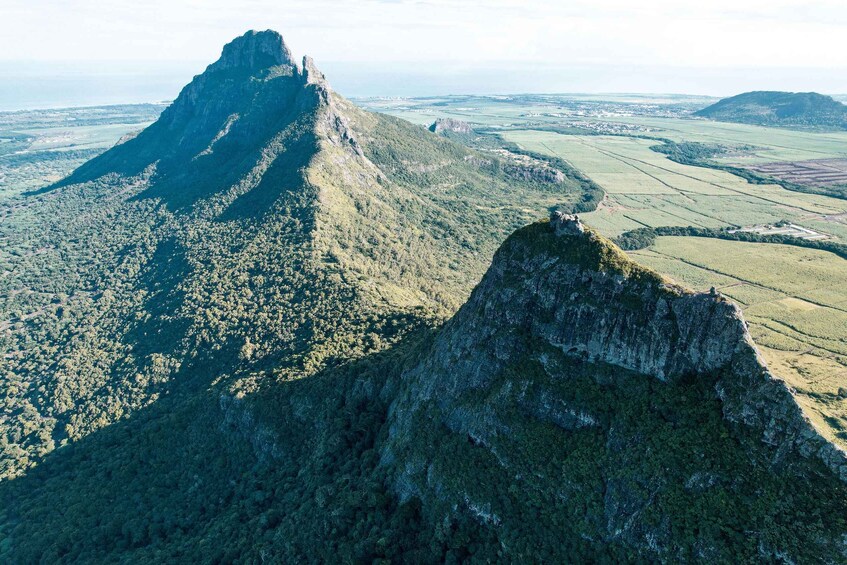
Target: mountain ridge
225	238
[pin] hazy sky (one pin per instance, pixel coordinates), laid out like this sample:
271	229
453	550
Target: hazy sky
681	44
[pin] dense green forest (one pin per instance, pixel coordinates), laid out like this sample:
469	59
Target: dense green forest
178	279
179	285
291	238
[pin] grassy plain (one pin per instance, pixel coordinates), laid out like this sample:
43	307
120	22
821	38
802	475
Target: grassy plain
656	116
38	147
770	144
646	189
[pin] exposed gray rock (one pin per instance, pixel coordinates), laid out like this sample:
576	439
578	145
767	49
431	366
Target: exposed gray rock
311	74
566	224
450	124
235	111
254	50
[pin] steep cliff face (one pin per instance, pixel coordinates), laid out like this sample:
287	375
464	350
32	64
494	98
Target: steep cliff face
582	396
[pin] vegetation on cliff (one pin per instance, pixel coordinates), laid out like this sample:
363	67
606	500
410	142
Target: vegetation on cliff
581	408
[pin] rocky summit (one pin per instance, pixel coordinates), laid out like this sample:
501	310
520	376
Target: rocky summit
256	50
230	121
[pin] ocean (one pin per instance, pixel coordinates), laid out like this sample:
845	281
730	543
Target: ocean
37	85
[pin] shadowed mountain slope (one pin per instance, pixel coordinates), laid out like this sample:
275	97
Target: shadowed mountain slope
577	408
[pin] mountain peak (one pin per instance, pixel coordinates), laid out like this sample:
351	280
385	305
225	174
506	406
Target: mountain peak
254	50
311	74
225	116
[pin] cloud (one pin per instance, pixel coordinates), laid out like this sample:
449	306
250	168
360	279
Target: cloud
718	33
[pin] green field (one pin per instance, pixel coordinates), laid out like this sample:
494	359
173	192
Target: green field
772	144
795	302
38	147
539	111
646	189
638	112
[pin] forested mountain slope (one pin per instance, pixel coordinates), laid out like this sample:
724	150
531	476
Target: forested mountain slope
581	407
577	407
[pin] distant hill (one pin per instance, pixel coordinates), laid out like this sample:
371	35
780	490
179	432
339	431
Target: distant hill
770	108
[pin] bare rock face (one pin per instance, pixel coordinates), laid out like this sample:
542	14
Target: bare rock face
566	224
450	125
228	119
311	74
254	50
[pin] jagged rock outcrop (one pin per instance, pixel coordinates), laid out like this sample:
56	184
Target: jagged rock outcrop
566	224
565	331
311	74
254	50
441	125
